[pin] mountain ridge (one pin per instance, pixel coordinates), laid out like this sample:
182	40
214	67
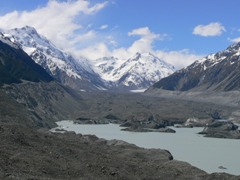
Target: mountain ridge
215	72
137	72
29	95
61	65
16	65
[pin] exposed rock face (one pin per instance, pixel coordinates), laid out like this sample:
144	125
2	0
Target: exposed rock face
222	129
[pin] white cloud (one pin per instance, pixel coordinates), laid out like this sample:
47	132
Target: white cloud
180	58
60	21
57	20
114	28
144	31
111	41
105	26
93	52
144	44
212	29
88	36
235	40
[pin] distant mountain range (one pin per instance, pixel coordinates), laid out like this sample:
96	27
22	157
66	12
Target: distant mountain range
138	72
215	72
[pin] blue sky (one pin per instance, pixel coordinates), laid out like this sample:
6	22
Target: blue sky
178	31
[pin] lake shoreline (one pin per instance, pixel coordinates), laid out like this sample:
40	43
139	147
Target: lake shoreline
222	164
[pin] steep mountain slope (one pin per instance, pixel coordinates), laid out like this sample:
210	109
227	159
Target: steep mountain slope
40	104
138	72
62	66
16	65
216	72
105	67
28	93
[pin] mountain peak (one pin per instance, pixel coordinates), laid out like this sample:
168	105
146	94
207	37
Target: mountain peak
137	72
61	65
137	55
234	47
144	57
148	54
27	32
28	29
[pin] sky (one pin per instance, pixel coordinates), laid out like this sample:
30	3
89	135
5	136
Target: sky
177	31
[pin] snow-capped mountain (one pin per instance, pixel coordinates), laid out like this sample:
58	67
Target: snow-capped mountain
218	72
62	66
16	65
8	39
138	72
105	66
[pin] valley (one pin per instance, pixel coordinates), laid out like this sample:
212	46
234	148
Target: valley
41	85
27	143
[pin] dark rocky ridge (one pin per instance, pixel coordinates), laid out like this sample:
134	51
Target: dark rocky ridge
29	95
16	65
217	72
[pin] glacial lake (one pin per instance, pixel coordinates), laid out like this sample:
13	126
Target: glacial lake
186	145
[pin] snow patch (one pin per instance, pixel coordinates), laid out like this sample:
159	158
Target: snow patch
28	50
101	88
138	90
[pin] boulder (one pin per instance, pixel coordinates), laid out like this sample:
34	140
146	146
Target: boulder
221	129
195	122
166	130
137	129
112	117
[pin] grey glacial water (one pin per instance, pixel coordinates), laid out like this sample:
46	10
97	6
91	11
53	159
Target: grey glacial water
208	154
